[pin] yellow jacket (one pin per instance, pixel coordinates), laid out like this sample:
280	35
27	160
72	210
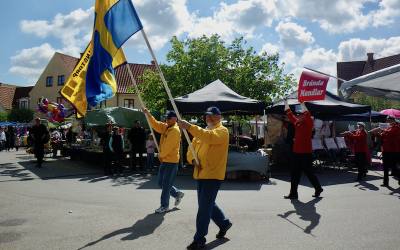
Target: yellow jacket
211	148
169	142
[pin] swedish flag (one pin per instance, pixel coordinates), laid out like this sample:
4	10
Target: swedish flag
115	21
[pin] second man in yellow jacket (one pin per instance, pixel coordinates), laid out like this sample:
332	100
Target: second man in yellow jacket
168	157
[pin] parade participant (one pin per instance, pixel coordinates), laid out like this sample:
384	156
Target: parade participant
151	147
2	138
390	149
7	133
168	157
360	149
104	141
38	135
211	147
137	136
116	145
302	149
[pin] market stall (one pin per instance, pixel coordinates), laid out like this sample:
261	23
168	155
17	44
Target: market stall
229	103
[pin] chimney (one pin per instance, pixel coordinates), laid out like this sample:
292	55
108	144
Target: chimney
370	57
153	62
81	54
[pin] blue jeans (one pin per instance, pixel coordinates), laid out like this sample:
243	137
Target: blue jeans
207	191
166	178
150	160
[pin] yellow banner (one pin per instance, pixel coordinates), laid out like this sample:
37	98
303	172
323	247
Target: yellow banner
74	90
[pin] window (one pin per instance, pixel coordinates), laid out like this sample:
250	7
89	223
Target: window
101	105
49	81
24	104
128	103
60	100
61	80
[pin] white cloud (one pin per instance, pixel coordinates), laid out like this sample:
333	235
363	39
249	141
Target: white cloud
390	9
66	28
294	36
242	17
271	49
161	20
357	49
30	63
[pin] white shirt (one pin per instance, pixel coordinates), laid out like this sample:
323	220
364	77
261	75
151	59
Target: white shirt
2	136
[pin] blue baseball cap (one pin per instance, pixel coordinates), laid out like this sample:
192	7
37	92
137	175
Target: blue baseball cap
170	114
212	111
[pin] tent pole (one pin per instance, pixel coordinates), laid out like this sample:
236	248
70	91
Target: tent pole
265	134
169	95
256	132
141	102
370	139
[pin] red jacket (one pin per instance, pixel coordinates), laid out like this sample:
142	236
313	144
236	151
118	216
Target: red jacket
390	139
303	133
360	141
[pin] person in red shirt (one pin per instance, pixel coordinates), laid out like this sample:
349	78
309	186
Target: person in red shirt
360	149
390	149
302	149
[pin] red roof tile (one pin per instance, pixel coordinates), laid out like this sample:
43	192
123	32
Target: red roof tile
123	78
6	95
69	61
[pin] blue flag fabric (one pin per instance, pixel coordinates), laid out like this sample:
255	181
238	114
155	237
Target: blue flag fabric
115	22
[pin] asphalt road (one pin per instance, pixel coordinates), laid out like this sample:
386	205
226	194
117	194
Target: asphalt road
70	205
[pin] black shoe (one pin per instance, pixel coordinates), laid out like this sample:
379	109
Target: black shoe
365	174
384	185
291	196
221	233
317	193
195	245
358	179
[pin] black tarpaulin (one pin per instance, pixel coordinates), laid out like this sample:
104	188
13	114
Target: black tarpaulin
219	95
332	105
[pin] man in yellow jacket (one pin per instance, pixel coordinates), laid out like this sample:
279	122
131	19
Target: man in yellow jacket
211	148
168	156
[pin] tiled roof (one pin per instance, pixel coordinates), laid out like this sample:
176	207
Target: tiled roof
351	70
123	78
69	61
21	92
6	95
381	63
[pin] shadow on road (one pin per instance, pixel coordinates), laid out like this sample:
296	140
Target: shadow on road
12	170
306	211
141	228
216	243
363	185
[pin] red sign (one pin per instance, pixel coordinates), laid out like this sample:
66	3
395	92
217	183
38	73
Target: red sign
312	86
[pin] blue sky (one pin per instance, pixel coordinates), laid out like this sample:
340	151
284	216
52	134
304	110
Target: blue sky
305	33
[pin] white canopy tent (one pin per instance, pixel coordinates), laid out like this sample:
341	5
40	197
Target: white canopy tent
383	83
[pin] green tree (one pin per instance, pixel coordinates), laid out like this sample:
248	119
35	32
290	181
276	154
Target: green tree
194	63
22	115
3	116
377	103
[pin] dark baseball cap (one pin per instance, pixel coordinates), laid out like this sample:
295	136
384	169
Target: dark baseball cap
137	121
170	114
390	117
212	111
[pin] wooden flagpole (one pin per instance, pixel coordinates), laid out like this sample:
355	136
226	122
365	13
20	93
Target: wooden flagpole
169	95
141	103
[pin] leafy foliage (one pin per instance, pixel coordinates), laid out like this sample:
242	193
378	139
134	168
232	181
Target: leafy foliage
378	103
21	115
194	63
3	116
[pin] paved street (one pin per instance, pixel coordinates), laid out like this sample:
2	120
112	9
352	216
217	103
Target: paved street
70	205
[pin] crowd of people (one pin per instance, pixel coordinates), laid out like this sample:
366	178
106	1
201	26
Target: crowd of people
9	139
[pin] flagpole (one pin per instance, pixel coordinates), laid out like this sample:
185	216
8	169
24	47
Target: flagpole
169	95
325	74
141	103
